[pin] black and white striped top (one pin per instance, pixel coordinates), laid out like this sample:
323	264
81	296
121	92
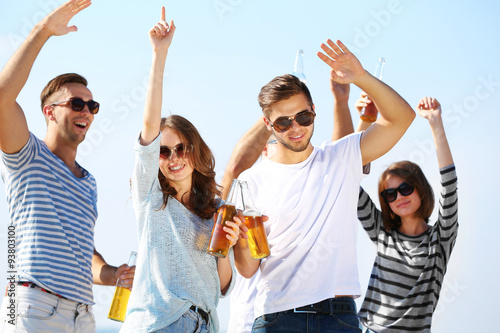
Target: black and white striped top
408	271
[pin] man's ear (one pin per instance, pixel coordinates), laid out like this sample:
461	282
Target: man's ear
48	112
268	124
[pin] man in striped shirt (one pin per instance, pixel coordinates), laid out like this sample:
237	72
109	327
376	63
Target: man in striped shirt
52	199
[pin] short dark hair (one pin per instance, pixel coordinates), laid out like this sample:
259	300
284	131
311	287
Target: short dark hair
57	83
204	189
279	89
413	175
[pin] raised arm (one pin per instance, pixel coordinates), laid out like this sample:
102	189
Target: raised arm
160	36
430	109
342	120
395	113
13	126
245	153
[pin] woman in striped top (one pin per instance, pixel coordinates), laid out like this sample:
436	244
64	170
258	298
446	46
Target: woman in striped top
411	256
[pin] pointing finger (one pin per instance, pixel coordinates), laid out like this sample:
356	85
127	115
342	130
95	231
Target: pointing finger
162	13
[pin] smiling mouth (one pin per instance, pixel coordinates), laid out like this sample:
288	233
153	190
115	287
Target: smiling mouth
404	204
297	137
81	124
176	168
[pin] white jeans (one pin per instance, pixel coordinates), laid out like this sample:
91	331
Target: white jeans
36	311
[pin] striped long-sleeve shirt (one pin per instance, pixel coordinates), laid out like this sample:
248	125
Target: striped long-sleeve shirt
408	271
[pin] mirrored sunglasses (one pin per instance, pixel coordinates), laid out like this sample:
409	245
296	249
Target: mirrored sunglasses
180	150
303	118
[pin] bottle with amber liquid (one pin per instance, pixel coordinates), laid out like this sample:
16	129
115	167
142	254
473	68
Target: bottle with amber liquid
369	113
118	308
219	244
257	238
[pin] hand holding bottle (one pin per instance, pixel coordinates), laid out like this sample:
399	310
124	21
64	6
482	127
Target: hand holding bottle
369	112
118	308
253	220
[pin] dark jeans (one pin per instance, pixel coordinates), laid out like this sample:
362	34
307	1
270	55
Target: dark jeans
333	315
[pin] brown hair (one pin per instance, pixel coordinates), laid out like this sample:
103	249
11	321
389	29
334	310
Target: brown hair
58	82
413	175
279	89
204	189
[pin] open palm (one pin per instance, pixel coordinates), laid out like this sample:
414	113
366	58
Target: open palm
57	21
346	68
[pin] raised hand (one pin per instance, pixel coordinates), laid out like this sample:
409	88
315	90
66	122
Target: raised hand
346	68
57	21
161	34
429	108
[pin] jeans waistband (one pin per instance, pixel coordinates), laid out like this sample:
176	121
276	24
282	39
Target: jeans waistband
202	313
338	305
56	300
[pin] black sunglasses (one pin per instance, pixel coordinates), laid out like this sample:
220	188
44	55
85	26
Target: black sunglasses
77	104
391	194
303	118
180	150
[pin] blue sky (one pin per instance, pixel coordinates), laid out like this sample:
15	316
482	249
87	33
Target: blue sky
224	51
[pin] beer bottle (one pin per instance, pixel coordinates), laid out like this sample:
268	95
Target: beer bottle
298	69
219	244
369	113
118	308
257	238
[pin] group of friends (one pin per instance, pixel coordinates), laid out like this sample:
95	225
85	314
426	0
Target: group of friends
310	197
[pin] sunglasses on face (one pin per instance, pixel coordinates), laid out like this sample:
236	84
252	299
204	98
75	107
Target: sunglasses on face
180	150
77	104
391	194
303	118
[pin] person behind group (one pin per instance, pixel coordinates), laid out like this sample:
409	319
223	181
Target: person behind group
52	199
412	256
243	293
178	284
310	195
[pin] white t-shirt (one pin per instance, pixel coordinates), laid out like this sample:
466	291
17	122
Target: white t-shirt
241	305
312	227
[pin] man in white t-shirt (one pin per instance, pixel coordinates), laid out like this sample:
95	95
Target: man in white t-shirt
310	195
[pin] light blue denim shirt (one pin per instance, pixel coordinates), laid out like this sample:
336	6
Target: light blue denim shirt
173	270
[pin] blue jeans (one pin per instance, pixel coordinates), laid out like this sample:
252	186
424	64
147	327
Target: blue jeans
190	322
290	322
